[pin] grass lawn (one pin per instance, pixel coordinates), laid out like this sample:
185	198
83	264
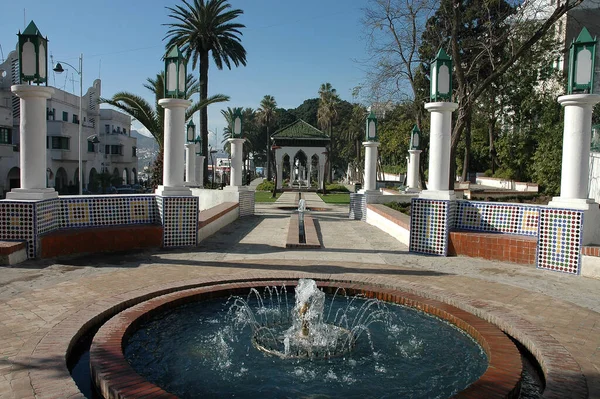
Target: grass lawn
343	198
265	196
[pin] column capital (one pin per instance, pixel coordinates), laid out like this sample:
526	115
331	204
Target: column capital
441	106
28	91
579	99
371	143
174	103
235	140
415	151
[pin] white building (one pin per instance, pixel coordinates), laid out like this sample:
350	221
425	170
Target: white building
106	142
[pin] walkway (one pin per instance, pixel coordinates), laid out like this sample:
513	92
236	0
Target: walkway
36	296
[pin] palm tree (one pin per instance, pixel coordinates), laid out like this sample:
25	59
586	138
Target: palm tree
202	27
152	117
266	116
327	115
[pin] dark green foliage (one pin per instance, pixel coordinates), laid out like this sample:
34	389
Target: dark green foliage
266	185
400	207
336	188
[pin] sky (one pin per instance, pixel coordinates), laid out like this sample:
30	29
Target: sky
292	47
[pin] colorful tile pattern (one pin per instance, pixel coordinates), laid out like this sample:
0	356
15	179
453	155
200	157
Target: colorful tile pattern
559	241
107	210
47	216
497	217
17	223
180	220
429	226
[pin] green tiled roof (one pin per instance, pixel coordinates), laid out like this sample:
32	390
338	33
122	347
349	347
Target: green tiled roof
300	130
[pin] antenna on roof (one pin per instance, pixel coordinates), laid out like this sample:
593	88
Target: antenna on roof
1	54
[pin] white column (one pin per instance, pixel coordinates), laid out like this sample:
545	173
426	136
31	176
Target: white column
236	161
174	147
370	166
279	171
291	171
190	165
200	170
33	130
321	173
439	151
412	173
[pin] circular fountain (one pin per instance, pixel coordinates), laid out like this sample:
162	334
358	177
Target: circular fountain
256	339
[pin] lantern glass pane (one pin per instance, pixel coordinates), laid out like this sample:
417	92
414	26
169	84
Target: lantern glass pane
28	59
181	78
583	67
371	129
415	140
171	77
42	63
237	126
433	79
444	80
190	133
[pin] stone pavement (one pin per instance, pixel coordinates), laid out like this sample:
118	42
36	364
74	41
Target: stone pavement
39	297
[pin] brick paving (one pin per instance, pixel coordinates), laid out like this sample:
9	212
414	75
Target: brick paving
44	304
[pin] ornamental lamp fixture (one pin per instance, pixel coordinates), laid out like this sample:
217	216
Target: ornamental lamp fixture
33	56
441	77
237	123
198	142
581	63
371	129
191	132
175	74
415	138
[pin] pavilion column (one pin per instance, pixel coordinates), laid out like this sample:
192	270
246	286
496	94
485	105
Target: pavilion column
190	165
279	171
291	171
236	161
33	131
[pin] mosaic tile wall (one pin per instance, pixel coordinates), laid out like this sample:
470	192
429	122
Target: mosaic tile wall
358	207
47	216
180	220
559	241
430	225
17	223
497	218
246	203
107	210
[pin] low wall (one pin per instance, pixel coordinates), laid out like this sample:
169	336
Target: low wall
210	198
507	184
214	219
393	222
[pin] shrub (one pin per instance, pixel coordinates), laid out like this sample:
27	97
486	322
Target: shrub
266	185
340	188
401	207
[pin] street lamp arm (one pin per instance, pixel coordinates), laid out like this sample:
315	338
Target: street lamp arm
59	69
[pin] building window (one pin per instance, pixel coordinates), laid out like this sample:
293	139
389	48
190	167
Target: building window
65	116
124	131
90	146
116	149
75	118
134	151
107	129
5	135
107	149
60	143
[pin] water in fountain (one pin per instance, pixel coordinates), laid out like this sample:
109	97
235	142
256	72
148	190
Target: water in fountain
313	344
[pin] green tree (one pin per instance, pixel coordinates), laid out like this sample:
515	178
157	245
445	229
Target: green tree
266	116
203	28
152	117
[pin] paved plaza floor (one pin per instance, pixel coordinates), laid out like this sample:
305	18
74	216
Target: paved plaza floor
35	296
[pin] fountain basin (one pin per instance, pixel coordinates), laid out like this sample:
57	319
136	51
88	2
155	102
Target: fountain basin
114	377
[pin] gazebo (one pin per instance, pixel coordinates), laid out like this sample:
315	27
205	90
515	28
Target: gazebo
300	154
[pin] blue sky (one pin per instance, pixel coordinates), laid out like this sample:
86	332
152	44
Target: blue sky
292	46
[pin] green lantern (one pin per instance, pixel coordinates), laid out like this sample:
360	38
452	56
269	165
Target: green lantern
441	77
581	63
33	56
175	74
371	128
237	122
198	142
415	138
191	132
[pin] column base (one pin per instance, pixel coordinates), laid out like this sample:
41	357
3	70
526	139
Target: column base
168	191
193	184
446	195
410	190
572	203
32	194
235	188
369	192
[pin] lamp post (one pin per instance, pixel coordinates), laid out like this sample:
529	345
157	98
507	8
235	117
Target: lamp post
371	145
212	161
412	173
33	92
237	144
440	109
199	162
190	154
58	68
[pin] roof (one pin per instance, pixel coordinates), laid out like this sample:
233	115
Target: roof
300	130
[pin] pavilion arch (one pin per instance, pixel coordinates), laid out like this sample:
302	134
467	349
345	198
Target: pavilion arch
13	178
134	178
93	181
61	181
116	178
126	176
301	138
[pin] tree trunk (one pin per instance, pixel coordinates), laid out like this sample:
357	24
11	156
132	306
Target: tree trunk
268	153
465	172
204	111
491	129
